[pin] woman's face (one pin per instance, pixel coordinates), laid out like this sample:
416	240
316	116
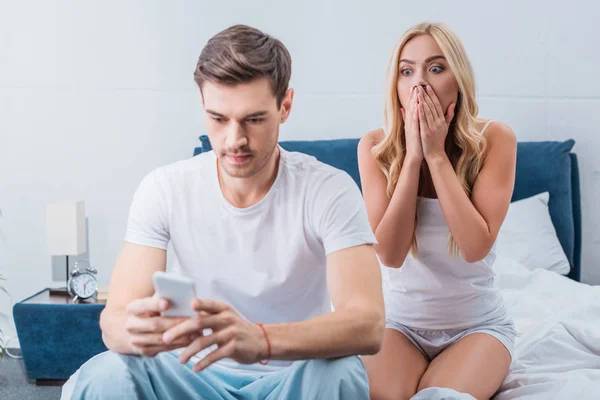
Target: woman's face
423	63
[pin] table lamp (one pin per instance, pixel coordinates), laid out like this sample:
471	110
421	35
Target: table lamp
65	223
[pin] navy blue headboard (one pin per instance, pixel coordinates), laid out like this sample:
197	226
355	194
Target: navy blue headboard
575	272
541	167
551	167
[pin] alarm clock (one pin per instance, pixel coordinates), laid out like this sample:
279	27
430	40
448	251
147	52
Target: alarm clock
82	284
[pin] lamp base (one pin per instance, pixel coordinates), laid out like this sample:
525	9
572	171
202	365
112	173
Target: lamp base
63	291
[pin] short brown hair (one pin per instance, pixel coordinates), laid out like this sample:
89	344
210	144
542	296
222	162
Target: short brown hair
240	54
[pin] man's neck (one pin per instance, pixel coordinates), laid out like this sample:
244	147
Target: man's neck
245	192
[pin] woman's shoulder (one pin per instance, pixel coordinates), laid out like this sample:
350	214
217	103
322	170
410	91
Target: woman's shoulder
371	139
496	131
499	136
366	158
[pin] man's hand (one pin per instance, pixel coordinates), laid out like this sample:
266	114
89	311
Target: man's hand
146	327
235	337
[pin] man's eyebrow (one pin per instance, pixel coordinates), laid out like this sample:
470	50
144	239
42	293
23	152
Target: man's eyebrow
216	114
251	115
257	114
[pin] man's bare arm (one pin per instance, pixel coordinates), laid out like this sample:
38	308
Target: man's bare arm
357	324
131	280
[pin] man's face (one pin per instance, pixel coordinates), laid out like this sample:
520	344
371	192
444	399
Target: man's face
243	124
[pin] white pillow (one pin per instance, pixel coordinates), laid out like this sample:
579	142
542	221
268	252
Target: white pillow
528	236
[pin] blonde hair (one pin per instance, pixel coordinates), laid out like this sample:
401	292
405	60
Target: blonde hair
468	150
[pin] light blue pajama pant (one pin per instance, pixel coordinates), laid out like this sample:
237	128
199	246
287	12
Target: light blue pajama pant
115	376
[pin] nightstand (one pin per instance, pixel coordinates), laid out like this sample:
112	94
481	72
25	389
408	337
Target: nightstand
56	336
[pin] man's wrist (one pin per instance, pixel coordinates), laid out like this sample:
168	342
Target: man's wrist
265	351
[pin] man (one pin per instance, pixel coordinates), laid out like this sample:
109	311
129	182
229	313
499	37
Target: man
272	238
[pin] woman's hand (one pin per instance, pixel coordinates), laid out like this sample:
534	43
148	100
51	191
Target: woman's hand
433	123
414	149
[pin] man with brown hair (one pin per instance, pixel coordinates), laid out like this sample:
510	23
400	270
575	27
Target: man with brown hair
271	238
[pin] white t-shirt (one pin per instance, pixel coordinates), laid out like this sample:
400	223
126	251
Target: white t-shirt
267	261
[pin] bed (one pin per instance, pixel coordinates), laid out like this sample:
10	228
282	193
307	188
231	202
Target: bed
557	349
557	318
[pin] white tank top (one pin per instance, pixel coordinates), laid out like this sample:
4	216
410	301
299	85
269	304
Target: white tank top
436	290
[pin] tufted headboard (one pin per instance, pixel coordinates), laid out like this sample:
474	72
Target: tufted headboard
541	166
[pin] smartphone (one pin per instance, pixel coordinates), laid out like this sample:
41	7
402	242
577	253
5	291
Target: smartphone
179	290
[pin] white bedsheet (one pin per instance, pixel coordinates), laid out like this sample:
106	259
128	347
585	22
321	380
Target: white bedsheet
557	350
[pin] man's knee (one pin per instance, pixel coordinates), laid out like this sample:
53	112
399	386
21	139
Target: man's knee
343	375
105	375
111	366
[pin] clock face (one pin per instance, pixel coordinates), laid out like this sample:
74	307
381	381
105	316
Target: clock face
84	285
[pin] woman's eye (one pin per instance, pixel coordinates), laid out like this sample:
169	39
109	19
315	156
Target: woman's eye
217	119
436	69
406	72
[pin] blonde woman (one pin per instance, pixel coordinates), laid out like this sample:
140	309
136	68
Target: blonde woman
437	181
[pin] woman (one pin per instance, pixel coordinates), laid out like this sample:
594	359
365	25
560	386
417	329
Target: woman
437	182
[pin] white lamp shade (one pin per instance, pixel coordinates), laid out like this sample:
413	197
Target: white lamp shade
65	222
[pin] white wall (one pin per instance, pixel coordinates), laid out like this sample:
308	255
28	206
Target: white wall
94	94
